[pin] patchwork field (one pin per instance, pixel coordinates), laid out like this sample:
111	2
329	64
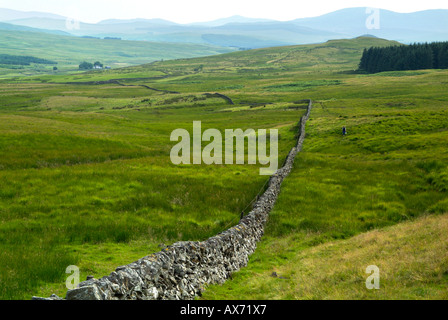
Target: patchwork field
86	177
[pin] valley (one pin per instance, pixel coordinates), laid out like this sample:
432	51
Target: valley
86	177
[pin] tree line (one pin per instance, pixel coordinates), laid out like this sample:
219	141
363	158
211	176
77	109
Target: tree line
87	65
22	60
412	57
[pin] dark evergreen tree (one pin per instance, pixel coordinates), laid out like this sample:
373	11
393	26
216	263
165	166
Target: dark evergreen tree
23	60
86	66
412	57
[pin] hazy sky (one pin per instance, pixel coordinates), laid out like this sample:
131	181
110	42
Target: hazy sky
185	11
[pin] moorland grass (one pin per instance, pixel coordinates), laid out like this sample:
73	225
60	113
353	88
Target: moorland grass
86	177
75	174
69	52
389	169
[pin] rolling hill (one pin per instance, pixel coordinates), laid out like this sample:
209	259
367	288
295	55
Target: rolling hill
107	147
422	26
14	27
9	14
87	178
241	32
70	51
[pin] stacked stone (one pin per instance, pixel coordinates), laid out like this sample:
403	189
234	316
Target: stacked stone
184	269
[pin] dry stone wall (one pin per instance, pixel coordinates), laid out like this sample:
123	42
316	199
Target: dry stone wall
182	270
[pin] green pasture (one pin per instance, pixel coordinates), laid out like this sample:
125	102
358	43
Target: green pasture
86	177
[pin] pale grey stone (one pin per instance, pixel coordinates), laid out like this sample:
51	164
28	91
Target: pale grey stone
182	270
84	293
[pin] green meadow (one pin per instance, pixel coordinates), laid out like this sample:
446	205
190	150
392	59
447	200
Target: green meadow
68	52
86	176
390	169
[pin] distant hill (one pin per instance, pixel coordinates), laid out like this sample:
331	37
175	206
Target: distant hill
284	60
312	58
69	51
367	36
256	35
9	14
13	27
242	32
232	19
43	23
150	21
422	26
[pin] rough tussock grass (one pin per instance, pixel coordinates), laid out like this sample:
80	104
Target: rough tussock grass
118	197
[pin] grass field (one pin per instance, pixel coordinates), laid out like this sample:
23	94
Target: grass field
411	257
390	168
69	52
86	177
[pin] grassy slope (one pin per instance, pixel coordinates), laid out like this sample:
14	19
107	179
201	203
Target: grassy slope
97	189
412	258
389	169
86	168
69	52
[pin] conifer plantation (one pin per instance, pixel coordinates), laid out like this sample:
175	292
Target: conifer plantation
402	57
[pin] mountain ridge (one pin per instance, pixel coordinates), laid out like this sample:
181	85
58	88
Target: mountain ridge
242	32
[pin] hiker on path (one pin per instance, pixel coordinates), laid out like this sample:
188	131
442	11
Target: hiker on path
344	131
